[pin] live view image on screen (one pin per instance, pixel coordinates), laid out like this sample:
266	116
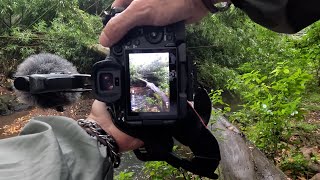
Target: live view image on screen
149	82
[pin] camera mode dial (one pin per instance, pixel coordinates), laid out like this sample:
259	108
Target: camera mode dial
154	35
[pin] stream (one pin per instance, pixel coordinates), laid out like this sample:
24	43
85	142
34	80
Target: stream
137	102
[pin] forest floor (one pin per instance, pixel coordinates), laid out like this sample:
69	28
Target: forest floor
12	124
299	156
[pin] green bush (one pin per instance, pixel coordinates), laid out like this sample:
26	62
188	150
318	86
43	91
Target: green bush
270	101
223	42
216	99
160	170
309	49
58	27
124	176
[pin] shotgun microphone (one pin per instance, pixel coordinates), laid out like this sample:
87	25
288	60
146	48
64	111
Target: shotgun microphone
49	81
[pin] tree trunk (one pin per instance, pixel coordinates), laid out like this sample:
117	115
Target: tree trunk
154	88
240	159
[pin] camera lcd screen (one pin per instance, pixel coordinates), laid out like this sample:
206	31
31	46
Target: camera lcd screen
149	82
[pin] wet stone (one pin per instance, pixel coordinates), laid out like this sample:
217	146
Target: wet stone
9	104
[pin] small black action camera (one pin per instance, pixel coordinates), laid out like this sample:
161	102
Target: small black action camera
147	77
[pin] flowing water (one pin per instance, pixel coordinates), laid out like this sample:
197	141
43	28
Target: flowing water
137	102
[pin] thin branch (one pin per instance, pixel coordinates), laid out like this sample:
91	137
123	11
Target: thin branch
33	38
197	47
107	9
10	20
91	5
42	15
21	46
21	17
5	23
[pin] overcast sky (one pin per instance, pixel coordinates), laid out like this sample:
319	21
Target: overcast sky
148	58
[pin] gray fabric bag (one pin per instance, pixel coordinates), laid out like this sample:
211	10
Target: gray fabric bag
53	148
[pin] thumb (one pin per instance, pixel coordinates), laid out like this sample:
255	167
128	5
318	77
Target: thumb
119	25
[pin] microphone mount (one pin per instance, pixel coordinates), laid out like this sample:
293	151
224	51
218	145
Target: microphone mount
53	82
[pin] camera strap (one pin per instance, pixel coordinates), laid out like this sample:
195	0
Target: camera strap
191	132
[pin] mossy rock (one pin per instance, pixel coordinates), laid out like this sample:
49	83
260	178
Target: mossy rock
7	84
9	104
4	109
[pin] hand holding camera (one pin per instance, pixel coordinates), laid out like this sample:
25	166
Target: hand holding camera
151	13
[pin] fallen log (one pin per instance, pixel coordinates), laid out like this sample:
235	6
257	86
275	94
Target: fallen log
240	159
154	88
98	48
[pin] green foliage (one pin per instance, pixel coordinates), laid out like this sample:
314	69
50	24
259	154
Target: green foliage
312	99
124	176
153	101
227	44
24	14
306	127
213	75
296	163
309	50
213	40
71	36
160	170
222	43
216	99
269	103
58	27
95	7
156	71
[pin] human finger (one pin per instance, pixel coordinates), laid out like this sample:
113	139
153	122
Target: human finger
120	24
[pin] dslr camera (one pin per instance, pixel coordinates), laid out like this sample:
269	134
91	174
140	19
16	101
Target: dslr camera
147	78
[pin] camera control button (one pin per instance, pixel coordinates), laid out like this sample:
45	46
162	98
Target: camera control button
154	35
117	50
117	81
169	29
129	43
137	42
170	45
169	38
169	122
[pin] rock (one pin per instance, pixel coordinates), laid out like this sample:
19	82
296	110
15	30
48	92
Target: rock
4	110
316	177
9	104
20	107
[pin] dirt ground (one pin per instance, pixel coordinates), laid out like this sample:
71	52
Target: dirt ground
11	125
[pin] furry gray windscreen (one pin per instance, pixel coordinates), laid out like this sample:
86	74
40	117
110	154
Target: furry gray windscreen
45	63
